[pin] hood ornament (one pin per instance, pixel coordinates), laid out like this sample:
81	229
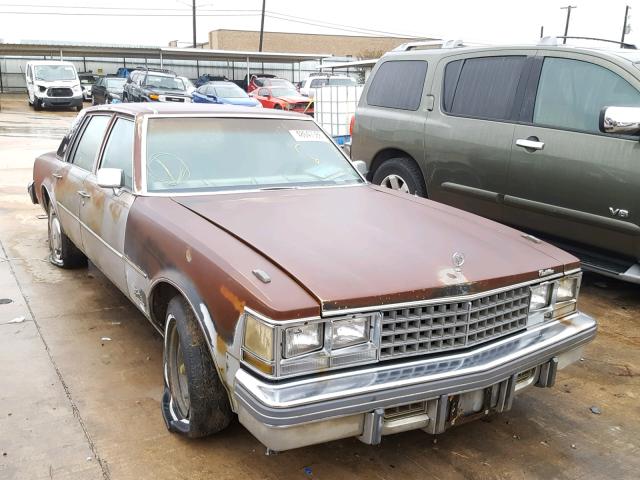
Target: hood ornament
458	260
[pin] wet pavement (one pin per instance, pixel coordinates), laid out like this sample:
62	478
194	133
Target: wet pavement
80	379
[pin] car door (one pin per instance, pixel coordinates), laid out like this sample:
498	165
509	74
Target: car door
69	179
30	83
104	211
469	132
567	179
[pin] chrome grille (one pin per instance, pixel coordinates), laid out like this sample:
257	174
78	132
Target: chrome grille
447	326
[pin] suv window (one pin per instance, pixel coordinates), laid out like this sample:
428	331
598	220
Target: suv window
398	84
88	145
482	87
119	150
571	94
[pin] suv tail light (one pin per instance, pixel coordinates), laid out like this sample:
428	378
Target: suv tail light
352	123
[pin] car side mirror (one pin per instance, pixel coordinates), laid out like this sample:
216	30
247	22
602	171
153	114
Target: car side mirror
361	167
109	177
621	120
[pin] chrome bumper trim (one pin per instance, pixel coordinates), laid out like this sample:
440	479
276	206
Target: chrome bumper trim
321	397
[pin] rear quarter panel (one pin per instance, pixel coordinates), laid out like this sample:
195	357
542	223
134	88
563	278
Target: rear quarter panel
43	167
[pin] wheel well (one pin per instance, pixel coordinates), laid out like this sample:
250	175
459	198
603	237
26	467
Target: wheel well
384	155
161	295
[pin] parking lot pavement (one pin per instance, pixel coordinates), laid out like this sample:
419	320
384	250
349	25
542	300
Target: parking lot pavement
80	379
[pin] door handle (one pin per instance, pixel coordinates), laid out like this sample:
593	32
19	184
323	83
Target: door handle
531	143
56	175
83	194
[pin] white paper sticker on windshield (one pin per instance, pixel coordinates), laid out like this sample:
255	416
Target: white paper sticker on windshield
308	136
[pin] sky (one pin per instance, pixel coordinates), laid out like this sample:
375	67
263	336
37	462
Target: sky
156	22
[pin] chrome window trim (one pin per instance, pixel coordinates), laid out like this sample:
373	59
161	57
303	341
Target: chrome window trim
432	301
143	152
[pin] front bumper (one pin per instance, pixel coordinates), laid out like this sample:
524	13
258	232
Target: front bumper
453	388
61	101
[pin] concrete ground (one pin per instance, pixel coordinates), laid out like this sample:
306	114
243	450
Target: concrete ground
80	379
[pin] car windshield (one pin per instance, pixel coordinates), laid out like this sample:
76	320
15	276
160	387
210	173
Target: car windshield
215	154
164	82
342	81
284	92
230	91
87	80
116	83
51	73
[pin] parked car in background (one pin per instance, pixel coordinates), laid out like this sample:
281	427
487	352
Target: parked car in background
188	84
283	98
318	81
531	136
264	80
108	90
53	83
208	77
223	93
306	335
87	80
154	85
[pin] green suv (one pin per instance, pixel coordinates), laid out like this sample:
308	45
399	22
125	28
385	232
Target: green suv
544	138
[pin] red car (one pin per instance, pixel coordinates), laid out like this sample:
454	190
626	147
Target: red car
283	98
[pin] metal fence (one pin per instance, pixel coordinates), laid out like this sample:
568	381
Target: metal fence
12	77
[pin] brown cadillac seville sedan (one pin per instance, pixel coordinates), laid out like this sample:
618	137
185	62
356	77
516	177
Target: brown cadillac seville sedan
291	292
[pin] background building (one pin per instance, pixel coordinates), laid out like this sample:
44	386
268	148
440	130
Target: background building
338	45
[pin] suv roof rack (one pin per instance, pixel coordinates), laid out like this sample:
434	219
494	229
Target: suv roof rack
553	41
420	44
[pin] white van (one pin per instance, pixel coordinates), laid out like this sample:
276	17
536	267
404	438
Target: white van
53	83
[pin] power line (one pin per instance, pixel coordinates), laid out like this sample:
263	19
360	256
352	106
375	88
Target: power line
202	13
310	21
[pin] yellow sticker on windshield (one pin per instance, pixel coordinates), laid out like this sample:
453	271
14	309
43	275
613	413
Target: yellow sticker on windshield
308	136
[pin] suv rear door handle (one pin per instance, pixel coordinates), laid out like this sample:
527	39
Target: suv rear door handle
531	143
56	175
83	194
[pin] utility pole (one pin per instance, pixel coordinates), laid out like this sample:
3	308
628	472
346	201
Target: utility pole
194	23
624	26
262	25
566	27
542	31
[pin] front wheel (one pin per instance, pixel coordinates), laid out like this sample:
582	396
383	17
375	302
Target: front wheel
401	174
277	107
79	107
62	252
195	403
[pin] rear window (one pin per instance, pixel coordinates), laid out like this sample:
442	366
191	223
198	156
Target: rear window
398	84
482	87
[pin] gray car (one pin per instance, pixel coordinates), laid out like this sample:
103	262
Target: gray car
544	138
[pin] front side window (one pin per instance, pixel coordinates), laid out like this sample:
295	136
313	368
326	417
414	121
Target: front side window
213	154
119	150
398	84
572	93
482	87
89	144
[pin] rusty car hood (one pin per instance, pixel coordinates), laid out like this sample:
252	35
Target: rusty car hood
360	246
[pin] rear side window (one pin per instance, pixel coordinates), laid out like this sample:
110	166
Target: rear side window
482	87
571	94
398	84
88	145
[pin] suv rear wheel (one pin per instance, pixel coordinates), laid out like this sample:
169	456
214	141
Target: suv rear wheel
400	174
